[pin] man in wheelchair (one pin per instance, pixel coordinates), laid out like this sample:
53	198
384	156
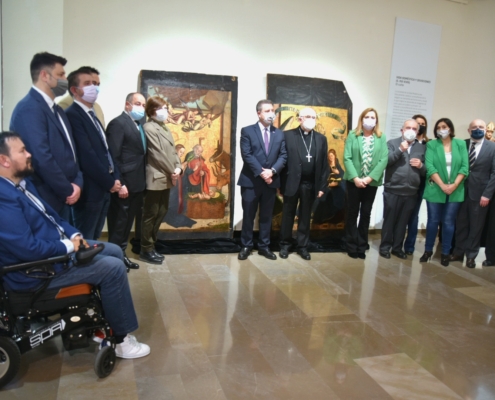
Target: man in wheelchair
31	230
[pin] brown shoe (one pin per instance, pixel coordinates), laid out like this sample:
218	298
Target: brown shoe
457	257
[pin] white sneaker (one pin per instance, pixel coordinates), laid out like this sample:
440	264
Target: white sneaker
131	348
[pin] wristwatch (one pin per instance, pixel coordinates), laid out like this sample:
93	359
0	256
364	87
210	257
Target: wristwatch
274	171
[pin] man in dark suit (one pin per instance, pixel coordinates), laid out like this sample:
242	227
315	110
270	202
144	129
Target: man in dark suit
304	179
47	134
264	155
127	143
101	174
31	230
479	186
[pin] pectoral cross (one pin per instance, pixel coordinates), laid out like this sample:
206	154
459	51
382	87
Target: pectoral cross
309	157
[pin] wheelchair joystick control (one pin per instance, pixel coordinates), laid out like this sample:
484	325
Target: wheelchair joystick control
85	255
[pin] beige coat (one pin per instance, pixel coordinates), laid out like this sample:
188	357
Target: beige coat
162	156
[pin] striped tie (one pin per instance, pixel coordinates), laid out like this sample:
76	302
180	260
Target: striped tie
472	155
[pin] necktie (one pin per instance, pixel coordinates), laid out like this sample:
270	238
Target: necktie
472	155
267	142
98	127
59	118
42	208
143	136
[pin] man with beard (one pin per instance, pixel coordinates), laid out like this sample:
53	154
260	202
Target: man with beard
47	133
304	179
31	230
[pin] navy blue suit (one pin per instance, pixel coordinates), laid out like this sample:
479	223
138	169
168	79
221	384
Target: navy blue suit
45	138
26	233
254	190
91	210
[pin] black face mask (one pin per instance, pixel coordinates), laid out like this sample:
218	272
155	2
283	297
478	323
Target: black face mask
422	130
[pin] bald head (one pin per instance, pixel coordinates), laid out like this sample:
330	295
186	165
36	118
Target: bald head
477	129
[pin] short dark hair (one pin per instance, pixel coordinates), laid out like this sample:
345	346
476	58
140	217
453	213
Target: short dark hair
261	102
4	138
449	123
73	77
153	104
93	70
44	60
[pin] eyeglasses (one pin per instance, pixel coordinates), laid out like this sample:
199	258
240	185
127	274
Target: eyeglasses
308	116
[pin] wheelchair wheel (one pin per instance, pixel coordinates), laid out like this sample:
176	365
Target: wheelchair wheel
105	361
10	360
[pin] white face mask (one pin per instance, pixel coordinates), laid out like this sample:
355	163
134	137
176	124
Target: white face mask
369	123
161	115
443	133
90	93
269	118
409	135
309	124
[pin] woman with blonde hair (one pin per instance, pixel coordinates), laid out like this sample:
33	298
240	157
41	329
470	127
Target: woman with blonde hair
365	159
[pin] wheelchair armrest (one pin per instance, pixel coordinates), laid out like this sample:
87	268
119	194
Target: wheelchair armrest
18	267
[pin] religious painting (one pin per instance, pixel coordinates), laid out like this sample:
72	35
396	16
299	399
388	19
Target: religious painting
333	108
202	120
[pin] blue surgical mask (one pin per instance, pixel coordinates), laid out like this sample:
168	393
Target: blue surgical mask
137	112
477	134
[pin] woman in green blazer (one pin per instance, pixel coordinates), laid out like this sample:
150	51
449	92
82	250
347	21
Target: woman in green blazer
447	165
365	159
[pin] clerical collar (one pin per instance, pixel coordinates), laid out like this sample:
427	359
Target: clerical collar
304	132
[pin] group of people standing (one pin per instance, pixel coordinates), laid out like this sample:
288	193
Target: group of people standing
455	177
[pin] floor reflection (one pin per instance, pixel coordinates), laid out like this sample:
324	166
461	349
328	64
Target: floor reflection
330	328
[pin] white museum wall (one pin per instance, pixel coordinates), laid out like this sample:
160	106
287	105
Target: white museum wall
349	41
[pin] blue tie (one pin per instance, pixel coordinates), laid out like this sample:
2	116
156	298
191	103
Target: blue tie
143	136
98	126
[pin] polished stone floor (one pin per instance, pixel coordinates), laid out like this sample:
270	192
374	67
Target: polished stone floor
329	328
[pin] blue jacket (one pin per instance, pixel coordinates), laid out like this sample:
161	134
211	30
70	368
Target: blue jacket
255	158
92	155
26	233
45	139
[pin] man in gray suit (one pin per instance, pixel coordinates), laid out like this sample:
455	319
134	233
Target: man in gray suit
480	185
405	167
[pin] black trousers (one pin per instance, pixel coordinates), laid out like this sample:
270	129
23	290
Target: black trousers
120	217
469	228
490	232
264	197
359	204
396	212
305	196
155	207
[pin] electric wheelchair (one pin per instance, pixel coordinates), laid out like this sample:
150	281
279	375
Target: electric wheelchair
30	319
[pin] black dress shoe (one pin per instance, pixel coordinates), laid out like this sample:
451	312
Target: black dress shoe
284	253
158	255
409	253
304	254
150	257
457	257
267	254
244	253
352	254
470	263
384	254
444	259
362	256
488	263
399	254
129	264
